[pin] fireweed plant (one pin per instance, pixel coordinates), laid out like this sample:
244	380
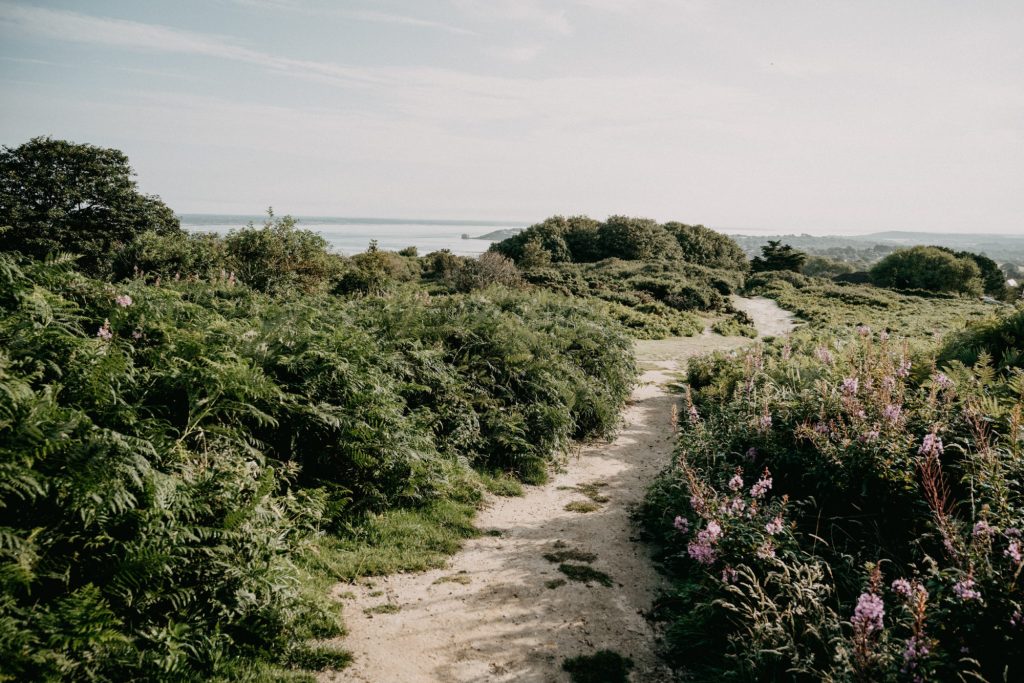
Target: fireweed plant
842	508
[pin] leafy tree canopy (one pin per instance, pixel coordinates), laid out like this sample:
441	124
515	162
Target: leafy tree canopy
62	196
707	247
778	256
928	268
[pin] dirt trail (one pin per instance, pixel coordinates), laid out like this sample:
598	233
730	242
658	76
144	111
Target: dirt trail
490	615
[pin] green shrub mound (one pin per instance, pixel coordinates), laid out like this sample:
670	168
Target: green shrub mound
178	457
840	508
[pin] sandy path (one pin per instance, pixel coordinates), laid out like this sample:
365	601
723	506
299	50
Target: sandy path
500	621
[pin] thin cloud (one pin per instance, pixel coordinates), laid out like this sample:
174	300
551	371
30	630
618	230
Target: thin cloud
359	15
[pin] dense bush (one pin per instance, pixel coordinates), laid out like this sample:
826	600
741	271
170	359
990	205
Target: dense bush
172	453
928	268
58	196
708	247
841	509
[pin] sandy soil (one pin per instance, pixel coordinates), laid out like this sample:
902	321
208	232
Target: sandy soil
490	615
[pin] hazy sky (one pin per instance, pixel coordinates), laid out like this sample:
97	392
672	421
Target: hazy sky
816	116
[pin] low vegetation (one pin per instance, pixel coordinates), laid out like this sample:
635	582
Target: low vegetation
845	504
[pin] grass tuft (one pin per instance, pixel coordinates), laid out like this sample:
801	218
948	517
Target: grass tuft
604	666
584	574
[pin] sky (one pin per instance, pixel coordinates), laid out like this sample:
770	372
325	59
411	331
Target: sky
810	116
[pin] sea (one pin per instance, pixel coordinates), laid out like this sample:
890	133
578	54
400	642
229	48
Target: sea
353	235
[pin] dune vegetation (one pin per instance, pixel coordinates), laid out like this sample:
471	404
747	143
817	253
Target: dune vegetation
200	434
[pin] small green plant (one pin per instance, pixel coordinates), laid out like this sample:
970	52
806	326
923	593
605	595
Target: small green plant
585	574
459	578
604	666
385	608
571	554
501	484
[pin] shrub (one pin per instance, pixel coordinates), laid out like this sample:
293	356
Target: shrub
708	247
928	268
280	258
174	255
635	239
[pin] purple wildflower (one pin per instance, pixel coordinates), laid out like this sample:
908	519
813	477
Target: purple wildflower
701	552
983	529
104	332
774	527
965	590
931	445
1013	551
902	587
915	650
123	300
763	485
736	506
869	613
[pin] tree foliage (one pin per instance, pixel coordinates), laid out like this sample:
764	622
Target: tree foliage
61	196
928	268
778	256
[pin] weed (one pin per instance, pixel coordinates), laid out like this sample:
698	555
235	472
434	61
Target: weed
585	574
582	506
570	555
385	608
604	666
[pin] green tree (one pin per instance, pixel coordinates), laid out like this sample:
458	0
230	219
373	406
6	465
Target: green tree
707	247
778	256
62	196
635	239
928	268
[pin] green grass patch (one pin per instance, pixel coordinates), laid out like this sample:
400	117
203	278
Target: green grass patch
501	484
604	666
582	506
399	540
386	608
584	574
459	578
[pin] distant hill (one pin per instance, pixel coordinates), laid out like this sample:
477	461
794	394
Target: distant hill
496	235
1002	248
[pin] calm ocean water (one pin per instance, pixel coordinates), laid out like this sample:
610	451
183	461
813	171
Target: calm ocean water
353	235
